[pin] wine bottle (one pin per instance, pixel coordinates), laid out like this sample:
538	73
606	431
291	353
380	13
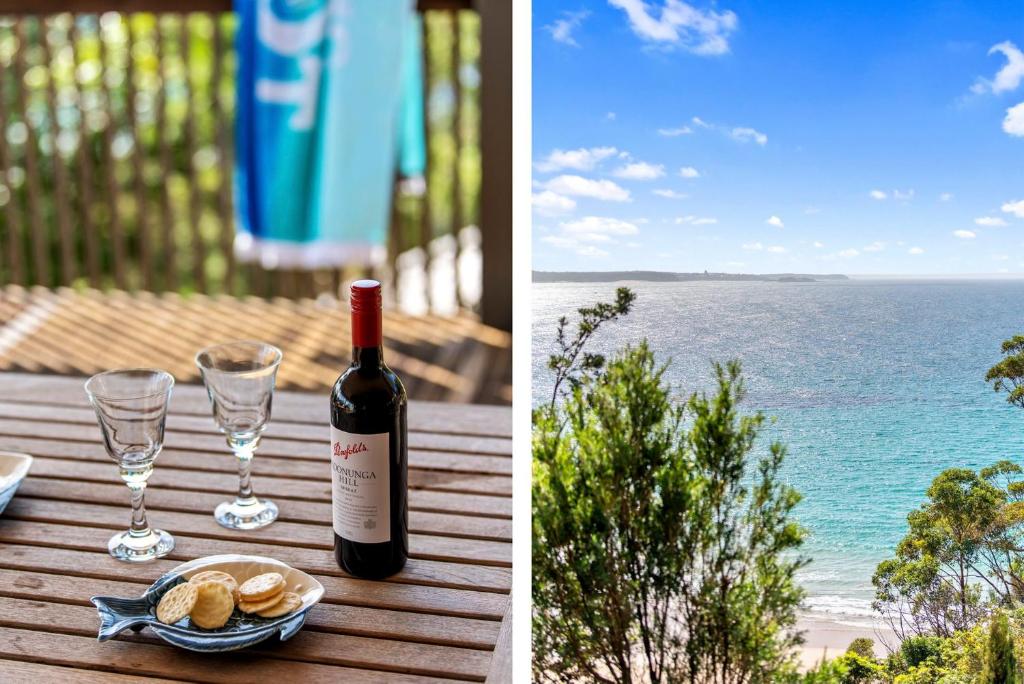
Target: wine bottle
369	451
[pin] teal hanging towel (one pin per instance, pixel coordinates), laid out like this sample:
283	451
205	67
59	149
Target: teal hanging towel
329	109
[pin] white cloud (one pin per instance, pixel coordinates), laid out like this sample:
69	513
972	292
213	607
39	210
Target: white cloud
1015	207
752	246
610	116
675	132
640	171
560	241
916	251
746	134
582	159
696	220
818	245
775	221
946	197
590	226
689	172
677	24
591	251
743	134
550	203
1013	124
964	234
1000	257
579	186
777	249
876	246
561	29
1007	78
810	211
904	195
669	194
990	221
847	253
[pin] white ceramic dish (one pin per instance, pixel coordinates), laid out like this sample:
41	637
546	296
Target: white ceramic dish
13	469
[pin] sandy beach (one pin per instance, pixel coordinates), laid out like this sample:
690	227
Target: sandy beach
827	638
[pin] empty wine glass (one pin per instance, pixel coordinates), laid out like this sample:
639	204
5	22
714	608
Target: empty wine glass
131	407
239	378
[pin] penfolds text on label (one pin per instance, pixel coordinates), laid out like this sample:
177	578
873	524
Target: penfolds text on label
348	449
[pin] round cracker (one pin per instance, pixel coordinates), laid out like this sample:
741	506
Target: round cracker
260	587
257	606
288	603
214	605
217	576
176	603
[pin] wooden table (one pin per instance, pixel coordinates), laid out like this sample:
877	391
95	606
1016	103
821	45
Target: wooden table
445	617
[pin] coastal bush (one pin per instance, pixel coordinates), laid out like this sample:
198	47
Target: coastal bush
916	650
1008	375
1000	665
862	646
658	556
959	558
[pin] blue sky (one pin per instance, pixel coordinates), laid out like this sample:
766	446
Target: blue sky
819	137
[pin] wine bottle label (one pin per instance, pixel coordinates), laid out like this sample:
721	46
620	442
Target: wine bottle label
360	486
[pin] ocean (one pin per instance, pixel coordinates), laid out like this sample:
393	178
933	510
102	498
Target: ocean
874	386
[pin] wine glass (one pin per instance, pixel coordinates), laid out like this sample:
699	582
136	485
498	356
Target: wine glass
239	379
131	407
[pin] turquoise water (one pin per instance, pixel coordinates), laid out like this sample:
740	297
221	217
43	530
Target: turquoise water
875	387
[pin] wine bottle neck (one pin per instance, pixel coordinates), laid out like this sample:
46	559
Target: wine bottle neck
367	357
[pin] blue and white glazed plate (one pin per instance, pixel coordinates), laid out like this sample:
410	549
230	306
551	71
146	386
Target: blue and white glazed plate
13	469
242	630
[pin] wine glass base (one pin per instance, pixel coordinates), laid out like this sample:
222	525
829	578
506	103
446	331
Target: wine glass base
236	516
124	546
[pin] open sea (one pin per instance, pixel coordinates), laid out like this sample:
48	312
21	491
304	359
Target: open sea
875	387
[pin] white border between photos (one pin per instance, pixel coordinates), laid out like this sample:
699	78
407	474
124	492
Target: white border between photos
522	151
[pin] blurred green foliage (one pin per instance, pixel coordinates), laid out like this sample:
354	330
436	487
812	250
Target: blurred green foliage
80	92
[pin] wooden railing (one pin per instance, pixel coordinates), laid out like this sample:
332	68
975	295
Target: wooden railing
116	149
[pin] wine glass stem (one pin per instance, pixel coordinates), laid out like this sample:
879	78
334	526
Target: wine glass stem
245	495
140	527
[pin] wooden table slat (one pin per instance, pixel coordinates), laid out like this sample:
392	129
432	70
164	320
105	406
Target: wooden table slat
15	672
308	646
299	535
446	494
157	660
330	617
299	407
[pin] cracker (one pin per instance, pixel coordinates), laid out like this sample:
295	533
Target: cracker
214	605
260	587
176	603
217	576
257	606
288	603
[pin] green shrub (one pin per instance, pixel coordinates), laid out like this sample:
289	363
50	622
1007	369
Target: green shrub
862	646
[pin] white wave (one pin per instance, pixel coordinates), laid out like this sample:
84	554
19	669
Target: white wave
841	609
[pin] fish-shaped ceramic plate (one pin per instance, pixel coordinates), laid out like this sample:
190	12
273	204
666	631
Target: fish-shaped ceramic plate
242	630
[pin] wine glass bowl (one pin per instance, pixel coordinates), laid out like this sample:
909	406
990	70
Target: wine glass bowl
239	379
131	408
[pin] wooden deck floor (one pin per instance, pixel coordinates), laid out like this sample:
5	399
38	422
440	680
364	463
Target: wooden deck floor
72	332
